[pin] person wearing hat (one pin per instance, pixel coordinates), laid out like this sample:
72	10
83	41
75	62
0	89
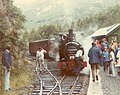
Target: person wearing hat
7	61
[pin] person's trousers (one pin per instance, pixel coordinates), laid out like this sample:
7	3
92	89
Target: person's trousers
6	79
112	69
42	64
94	70
106	65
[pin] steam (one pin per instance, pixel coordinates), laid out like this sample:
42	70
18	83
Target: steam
54	50
85	41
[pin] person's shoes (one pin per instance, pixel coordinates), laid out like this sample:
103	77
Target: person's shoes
7	90
97	77
93	80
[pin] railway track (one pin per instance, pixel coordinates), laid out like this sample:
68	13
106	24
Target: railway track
50	83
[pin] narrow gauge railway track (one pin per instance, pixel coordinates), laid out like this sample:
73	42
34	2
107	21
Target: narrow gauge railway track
48	83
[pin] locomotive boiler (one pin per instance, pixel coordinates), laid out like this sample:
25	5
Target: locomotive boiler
67	50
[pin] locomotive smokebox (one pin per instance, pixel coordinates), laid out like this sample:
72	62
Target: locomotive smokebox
71	35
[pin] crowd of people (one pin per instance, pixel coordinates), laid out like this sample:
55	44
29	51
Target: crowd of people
106	55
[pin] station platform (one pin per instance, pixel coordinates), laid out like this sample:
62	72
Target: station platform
95	88
106	85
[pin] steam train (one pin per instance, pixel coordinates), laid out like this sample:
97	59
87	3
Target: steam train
66	48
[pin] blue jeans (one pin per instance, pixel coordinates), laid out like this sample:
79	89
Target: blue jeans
6	78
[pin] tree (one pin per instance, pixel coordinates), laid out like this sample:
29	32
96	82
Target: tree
104	18
44	32
11	20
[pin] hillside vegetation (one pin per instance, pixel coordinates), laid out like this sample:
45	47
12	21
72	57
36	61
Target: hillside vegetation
63	12
103	19
88	24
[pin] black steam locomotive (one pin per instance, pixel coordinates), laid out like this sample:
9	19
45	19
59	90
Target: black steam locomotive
67	50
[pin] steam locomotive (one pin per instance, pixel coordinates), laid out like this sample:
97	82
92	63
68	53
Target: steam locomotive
67	50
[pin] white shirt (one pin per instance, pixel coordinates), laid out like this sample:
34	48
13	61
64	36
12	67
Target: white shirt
78	53
112	57
40	54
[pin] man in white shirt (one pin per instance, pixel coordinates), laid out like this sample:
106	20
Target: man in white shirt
40	58
78	60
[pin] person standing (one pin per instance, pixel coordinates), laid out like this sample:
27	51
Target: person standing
112	70
113	45
98	43
106	58
78	60
118	61
104	44
116	51
40	58
94	55
7	61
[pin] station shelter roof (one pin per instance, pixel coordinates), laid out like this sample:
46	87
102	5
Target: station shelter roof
105	31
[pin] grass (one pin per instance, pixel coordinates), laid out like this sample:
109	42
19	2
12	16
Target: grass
20	78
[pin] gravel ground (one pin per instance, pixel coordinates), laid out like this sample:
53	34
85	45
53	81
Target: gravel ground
84	85
110	85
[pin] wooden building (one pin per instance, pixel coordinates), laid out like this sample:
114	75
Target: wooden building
111	33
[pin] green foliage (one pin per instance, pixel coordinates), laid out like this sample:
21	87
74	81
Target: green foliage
10	23
103	19
16	16
44	32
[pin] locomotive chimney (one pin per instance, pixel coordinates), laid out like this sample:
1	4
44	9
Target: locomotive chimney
70	34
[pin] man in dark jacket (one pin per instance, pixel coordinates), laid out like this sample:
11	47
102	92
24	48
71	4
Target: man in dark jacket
7	61
94	55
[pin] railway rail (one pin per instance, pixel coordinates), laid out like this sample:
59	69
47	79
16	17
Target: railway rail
52	83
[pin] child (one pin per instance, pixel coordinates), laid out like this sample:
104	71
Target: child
105	55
